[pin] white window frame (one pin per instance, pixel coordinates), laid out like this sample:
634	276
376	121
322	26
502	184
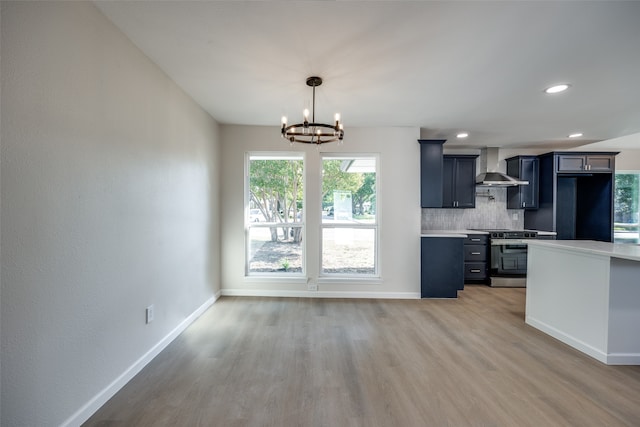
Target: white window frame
352	277
623	172
248	225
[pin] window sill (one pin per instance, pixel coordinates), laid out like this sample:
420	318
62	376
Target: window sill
295	280
351	280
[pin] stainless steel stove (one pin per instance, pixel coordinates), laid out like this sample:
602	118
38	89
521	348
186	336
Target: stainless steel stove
508	263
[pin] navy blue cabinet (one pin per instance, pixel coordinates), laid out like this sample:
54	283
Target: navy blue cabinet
442	267
476	259
585	162
431	172
525	168
446	181
459	181
576	194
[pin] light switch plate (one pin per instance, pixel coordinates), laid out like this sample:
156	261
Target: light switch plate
149	314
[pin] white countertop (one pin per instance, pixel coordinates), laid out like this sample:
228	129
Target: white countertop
464	232
450	233
442	233
613	250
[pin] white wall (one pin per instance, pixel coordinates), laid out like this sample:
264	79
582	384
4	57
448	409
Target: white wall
628	160
398	208
109	204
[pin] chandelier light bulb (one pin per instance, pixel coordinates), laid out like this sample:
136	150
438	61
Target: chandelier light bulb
337	117
305	113
284	120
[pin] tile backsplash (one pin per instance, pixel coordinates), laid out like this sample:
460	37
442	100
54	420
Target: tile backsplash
490	213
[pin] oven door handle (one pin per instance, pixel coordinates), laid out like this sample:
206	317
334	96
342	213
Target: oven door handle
514	246
502	242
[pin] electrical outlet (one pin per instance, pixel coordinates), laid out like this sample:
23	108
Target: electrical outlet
312	286
514	216
149	314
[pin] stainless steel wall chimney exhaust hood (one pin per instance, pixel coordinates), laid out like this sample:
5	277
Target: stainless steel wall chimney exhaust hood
489	157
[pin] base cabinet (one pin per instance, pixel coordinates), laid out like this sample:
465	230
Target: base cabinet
441	274
476	259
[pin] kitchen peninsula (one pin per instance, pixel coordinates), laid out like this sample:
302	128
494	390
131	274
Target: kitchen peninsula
587	294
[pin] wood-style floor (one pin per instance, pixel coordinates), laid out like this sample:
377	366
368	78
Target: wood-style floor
342	362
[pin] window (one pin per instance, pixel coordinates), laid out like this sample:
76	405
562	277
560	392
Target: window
274	215
627	193
349	216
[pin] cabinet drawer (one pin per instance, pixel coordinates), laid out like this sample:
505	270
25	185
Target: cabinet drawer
475	270
476	239
475	253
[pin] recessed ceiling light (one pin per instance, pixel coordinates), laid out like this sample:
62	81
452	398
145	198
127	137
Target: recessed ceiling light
557	88
575	135
462	135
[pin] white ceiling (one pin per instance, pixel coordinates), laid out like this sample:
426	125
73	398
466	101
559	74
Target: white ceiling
445	67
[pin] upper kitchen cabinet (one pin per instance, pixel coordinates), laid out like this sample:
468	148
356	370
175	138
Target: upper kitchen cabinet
576	192
431	172
459	181
446	181
585	162
524	168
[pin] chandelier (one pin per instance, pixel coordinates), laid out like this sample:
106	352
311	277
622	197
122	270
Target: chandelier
312	132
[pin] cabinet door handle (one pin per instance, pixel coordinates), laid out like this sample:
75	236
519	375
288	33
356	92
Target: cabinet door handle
524	204
475	253
475	240
475	271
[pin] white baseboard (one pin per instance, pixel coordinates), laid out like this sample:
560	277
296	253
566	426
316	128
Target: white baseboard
599	354
623	359
586	348
318	294
83	414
